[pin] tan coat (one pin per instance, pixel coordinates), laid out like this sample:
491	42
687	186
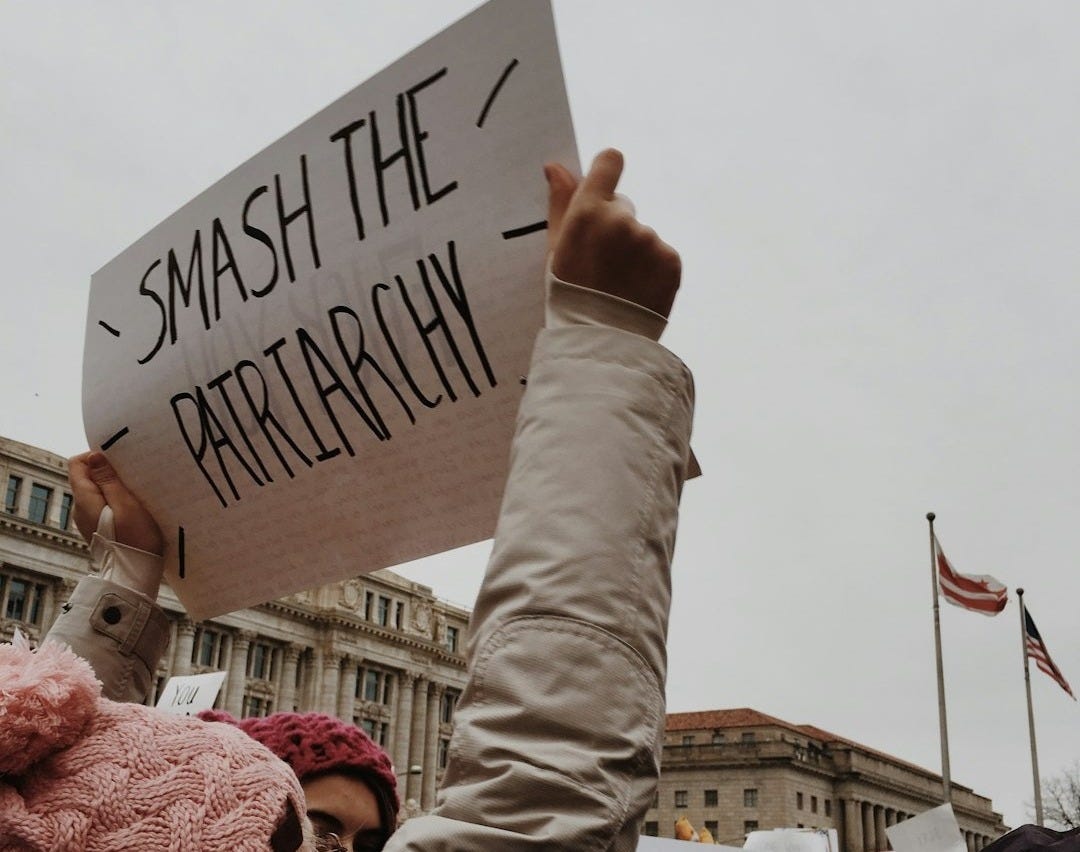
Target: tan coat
557	736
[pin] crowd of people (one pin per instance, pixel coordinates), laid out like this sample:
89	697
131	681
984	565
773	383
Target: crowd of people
558	732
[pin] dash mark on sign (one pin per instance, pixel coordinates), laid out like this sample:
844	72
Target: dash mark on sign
525	230
110	441
491	98
108	328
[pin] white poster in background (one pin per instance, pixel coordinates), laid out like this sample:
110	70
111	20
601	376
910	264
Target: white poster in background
661	844
793	840
312	369
935	830
186	695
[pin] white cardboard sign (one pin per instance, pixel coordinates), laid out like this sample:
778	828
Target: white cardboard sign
662	844
793	840
935	830
186	695
311	370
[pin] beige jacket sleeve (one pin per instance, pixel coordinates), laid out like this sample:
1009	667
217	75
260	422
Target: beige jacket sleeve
557	737
112	620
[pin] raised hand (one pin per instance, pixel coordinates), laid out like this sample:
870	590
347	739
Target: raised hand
597	242
95	484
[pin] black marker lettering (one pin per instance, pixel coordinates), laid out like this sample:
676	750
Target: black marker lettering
262	237
272	352
221	245
345	135
285	219
197	453
420	135
177	282
389	338
146	291
264	415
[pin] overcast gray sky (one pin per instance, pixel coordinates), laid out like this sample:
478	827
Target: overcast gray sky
877	206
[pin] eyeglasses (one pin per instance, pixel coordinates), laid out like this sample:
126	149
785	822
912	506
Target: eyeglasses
330	842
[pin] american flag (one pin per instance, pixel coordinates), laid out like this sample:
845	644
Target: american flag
978	592
1036	650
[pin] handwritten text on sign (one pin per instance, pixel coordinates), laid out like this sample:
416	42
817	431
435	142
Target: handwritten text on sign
311	370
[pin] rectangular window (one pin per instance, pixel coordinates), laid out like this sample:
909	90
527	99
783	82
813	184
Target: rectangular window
371	685
712	798
717	738
688	739
206	648
259	661
17	599
713	827
388	689
369	727
383	612
399	614
656	799
368	598
749	797
65	510
40	497
828	807
813	804
11	500
652	829
749	825
35	609
682	798
452	638
798	801
449	704
444	752
748	736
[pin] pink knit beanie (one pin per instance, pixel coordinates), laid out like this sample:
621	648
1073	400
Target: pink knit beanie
313	743
80	772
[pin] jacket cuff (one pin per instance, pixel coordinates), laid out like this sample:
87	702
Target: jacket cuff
135	569
571	304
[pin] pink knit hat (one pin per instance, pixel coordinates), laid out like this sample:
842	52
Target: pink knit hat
80	772
313	743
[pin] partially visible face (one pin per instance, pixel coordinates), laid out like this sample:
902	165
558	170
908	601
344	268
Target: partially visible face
344	805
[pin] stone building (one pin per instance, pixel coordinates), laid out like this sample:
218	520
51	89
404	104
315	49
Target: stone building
737	771
378	650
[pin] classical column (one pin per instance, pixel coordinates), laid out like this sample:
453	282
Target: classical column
853	841
236	679
880	837
287	693
431	746
890	817
347	689
868	827
185	641
416	736
403	720
331	672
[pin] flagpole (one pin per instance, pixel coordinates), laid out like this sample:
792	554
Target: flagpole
946	780
1031	712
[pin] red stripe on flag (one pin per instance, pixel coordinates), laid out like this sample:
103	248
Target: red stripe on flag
975	592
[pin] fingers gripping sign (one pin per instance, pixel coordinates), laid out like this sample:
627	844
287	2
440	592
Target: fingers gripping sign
597	242
95	485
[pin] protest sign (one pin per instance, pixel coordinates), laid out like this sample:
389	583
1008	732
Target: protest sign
186	695
935	830
660	844
793	840
312	369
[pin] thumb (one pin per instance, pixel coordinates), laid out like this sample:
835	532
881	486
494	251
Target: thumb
104	476
561	187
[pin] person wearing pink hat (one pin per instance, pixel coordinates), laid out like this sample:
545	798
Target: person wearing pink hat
558	733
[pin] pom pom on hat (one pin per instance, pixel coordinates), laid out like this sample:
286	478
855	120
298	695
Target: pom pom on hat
78	771
47	699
